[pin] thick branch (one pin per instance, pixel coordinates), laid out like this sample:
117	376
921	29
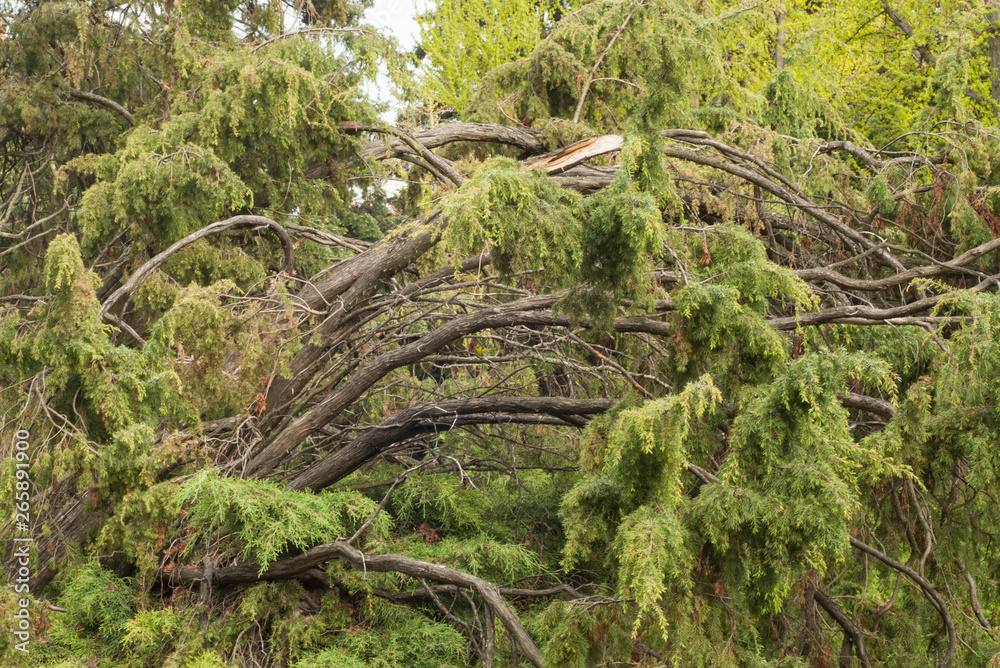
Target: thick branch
435	417
879	407
349	287
420	149
954	267
524	138
378	563
851	630
505	315
525	312
104	102
566	158
862	314
904	27
853	312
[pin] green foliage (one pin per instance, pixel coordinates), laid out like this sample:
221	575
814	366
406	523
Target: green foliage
262	520
411	640
793	108
578	635
231	113
789	489
491	560
718	330
464	41
630	505
624	231
161	191
526	221
656	558
720	319
332	658
218	352
97	601
620	52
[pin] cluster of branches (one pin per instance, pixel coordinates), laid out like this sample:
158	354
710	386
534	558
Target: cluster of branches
366	313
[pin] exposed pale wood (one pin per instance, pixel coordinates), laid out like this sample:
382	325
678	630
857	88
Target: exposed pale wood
559	161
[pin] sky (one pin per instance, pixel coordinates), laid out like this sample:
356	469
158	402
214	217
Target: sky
397	17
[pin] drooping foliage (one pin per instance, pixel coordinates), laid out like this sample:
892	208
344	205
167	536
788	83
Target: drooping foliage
655	333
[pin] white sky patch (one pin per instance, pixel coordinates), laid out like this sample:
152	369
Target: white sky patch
397	18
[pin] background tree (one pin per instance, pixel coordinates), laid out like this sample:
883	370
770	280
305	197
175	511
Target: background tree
672	351
463	41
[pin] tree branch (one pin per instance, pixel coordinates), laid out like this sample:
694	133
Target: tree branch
104	102
140	274
435	417
851	630
932	594
378	563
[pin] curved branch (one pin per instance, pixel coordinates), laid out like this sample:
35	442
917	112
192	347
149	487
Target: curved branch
525	138
932	594
974	601
511	592
956	266
417	148
879	407
378	563
855	314
104	102
851	630
435	417
784	193
300	428
132	283
525	312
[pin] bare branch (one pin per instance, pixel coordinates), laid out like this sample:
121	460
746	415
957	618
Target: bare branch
132	283
434	417
932	594
376	563
104	102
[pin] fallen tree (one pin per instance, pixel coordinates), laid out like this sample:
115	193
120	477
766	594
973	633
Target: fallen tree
683	370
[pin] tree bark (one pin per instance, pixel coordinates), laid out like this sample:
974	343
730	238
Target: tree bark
378	563
852	632
435	417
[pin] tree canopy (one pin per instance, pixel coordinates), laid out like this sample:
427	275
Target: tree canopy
651	333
